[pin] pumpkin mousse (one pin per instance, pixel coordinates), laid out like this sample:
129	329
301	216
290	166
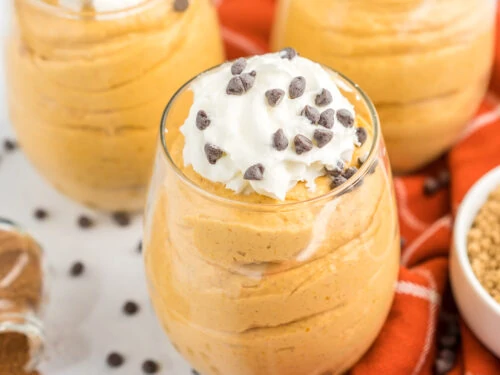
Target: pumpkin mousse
425	63
271	241
87	83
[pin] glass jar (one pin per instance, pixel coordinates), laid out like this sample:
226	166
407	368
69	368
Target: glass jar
244	287
22	281
425	63
87	87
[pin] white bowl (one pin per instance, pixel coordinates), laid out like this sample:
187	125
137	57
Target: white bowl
479	310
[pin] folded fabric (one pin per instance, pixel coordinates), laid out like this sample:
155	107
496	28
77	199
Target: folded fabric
423	310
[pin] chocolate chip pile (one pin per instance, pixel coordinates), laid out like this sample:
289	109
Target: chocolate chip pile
483	245
242	82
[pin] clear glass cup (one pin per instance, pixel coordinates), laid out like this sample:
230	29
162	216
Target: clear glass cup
265	287
425	63
87	87
22	296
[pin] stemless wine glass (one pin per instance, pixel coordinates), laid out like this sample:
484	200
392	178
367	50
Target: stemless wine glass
425	63
245	288
87	86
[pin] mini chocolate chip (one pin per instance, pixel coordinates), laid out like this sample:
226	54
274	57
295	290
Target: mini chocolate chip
202	120
327	118
323	98
139	247
444	178
130	308
337	181
349	172
150	367
181	5
9	145
337	171
115	360
121	218
288	53
345	118
238	66
297	87
311	113
213	153
248	79
235	86
448	341
77	269
274	97
302	144
362	135
280	141
322	137
255	172
85	222
443	366
431	186
41	214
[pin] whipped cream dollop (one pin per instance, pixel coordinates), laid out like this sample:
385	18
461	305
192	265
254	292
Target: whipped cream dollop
265	123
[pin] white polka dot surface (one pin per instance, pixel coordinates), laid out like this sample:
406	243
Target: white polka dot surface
83	317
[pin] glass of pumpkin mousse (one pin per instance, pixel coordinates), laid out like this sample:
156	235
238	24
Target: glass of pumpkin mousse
271	239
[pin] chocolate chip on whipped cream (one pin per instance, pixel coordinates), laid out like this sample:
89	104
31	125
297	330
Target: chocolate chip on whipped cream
302	144
181	5
337	181
255	172
327	118
322	137
235	86
202	120
288	53
238	66
248	80
349	172
362	136
323	98
311	113
345	118
274	97
297	87
213	153
280	141
336	170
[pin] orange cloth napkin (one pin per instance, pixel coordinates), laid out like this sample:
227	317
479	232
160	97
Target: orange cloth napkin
407	344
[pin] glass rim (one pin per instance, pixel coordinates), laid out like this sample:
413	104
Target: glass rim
106	15
334	193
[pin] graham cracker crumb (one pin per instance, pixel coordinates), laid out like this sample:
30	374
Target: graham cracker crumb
483	245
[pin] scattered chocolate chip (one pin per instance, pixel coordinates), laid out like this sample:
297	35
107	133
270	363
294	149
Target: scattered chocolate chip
345	118
288	53
323	98
443	366
274	97
363	158
130	308
302	144
280	141
235	86
115	360
402	242
322	137
139	247
349	172
213	153
121	218
297	87
327	118
337	181
41	214
337	171
311	113
85	222
202	120
77	269
181	5
431	186
9	145
150	367
362	135
238	66
444	178
248	79
448	341
254	173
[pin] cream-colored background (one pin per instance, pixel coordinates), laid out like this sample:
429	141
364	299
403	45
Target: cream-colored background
83	317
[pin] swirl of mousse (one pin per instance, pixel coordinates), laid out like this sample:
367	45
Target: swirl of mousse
265	123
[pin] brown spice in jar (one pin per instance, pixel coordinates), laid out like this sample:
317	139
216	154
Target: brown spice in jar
483	245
